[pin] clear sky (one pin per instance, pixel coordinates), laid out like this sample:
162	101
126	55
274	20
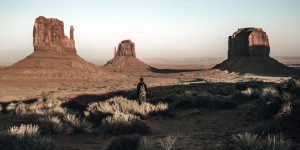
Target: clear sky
159	28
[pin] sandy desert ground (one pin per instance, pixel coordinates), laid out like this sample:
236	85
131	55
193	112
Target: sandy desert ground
193	127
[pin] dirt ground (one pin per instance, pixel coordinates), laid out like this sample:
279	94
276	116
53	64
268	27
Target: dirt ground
195	128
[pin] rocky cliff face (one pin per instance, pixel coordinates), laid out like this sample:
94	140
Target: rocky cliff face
48	35
125	48
248	42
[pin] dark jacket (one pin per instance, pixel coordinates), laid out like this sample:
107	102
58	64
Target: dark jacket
138	89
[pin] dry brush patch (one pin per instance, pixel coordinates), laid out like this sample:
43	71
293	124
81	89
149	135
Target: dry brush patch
120	123
77	124
43	106
50	125
249	141
204	99
126	106
25	137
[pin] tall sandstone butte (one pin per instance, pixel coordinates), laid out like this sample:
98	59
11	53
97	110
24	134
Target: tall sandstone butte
248	42
54	56
125	59
126	48
48	35
248	52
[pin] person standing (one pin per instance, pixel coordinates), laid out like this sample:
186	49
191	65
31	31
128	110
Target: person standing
142	91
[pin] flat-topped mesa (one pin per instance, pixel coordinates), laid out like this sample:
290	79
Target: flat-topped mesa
125	48
248	42
48	35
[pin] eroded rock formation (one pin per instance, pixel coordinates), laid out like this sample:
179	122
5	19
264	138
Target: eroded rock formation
248	52
248	42
54	56
126	48
48	35
125	59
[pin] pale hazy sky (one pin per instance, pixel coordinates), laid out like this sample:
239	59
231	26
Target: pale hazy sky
159	28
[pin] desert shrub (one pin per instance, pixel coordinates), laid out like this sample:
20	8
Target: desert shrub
24	130
270	93
246	141
276	142
11	107
43	106
50	125
124	143
144	144
292	86
270	103
246	95
168	143
120	123
25	137
77	125
124	105
286	108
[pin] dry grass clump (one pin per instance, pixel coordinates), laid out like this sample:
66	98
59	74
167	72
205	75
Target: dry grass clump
24	130
246	141
77	125
120	123
168	143
126	106
43	106
25	137
50	125
269	93
276	142
287	107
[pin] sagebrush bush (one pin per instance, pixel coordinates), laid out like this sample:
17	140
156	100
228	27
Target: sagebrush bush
270	93
246	141
24	131
50	125
120	123
168	143
124	105
25	137
77	125
11	107
43	106
246	95
276	142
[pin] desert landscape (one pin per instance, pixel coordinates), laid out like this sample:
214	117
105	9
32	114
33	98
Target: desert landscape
55	99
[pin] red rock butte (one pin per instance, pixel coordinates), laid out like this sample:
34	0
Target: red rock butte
248	52
248	42
125	59
49	35
54	55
